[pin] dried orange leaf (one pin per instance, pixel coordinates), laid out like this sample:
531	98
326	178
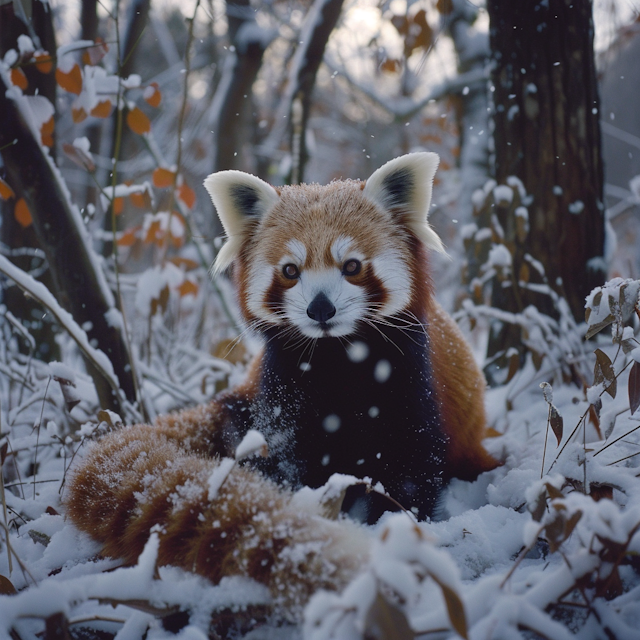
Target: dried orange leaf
48	126
163	178
187	195
187	263
46	132
6	191
188	287
70	81
102	109
128	237
142	200
118	205
78	115
138	121
154	233
22	213
152	95
19	79
43	62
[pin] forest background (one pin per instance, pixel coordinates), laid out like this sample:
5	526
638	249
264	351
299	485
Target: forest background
111	115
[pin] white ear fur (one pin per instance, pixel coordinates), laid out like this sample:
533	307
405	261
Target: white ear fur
406	182
238	197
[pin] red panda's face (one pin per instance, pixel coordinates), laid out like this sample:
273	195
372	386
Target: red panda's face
320	261
323	260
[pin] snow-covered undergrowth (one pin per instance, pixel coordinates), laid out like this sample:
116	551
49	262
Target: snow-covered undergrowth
547	542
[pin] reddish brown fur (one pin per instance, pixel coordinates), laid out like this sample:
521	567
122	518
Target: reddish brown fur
126	483
148	475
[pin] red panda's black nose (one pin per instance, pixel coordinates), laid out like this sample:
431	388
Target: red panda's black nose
321	308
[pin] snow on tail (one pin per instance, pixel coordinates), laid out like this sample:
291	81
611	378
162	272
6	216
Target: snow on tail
140	478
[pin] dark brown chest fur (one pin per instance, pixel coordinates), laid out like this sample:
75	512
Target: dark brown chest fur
365	408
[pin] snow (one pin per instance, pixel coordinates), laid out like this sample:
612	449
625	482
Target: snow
219	475
382	371
27	283
252	444
499	255
503	194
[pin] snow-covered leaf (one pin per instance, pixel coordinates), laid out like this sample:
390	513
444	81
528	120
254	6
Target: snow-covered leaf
93	55
102	109
152	95
70	81
163	178
43	62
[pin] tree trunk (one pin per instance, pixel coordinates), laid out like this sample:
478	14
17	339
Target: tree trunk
472	101
234	91
13	234
61	236
319	24
547	135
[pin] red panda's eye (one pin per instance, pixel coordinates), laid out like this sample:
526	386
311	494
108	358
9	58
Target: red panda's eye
351	267
290	271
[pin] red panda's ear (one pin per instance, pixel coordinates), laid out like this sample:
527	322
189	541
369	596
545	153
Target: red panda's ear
238	198
405	185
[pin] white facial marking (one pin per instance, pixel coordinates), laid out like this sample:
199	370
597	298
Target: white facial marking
260	278
298	251
340	247
348	299
391	269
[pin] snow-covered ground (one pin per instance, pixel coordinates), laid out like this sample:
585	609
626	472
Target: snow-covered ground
522	547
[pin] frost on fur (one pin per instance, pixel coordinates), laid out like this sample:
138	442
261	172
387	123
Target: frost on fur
145	478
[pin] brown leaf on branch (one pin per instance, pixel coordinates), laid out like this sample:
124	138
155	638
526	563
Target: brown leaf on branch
163	178
603	373
138	121
153	95
19	79
22	213
102	109
6	192
43	62
70	81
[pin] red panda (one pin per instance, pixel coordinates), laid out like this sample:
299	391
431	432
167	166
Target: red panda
361	373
